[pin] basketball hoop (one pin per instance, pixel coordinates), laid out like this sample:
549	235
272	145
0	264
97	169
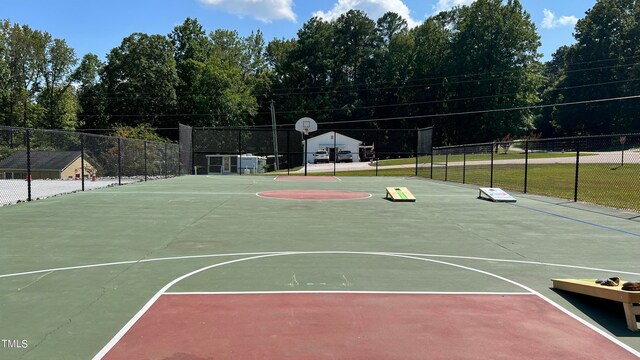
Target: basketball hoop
306	125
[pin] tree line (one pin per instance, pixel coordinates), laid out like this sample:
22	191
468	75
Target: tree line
474	73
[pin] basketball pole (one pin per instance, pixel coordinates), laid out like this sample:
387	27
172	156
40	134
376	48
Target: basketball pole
306	125
305	135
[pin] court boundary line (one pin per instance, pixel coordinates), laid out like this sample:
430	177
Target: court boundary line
205	256
173	193
335	178
577	220
348	292
275	198
153	299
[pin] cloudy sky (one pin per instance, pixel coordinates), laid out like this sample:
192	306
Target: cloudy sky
99	26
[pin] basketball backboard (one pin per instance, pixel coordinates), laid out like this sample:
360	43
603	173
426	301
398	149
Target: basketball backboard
306	125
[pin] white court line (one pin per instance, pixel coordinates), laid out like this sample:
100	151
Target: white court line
335	178
527	262
189	257
133	262
277	198
171	193
148	305
347	292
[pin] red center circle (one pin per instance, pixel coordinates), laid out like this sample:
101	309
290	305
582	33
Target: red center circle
314	195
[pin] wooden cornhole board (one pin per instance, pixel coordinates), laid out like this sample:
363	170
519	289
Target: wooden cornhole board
495	195
400	194
615	293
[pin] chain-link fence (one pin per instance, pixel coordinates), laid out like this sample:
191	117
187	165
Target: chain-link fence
36	164
186	146
242	151
601	170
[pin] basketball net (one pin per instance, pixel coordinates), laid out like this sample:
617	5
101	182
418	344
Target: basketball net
305	131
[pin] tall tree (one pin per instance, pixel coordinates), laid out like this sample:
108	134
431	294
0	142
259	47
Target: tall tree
389	70
91	97
23	52
602	64
5	72
58	65
497	66
280	54
314	62
140	79
192	48
430	56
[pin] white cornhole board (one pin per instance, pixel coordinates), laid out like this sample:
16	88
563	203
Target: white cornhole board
495	195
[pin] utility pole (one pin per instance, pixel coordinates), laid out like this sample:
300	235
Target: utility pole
275	136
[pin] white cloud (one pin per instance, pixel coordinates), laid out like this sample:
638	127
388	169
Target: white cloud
374	9
550	20
263	10
444	5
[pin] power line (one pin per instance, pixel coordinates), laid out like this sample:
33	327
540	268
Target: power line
473	98
344	88
475	112
442	115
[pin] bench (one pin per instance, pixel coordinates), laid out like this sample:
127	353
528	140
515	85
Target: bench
629	299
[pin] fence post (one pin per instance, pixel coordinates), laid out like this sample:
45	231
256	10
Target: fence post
575	189
491	171
145	161
335	154
239	163
119	161
526	164
166	162
375	155
464	164
82	160
446	164
193	158
431	175
417	153
28	143
288	153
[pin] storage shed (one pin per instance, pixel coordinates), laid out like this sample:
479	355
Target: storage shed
235	164
61	165
332	142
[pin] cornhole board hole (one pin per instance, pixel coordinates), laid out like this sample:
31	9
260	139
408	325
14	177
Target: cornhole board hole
495	195
615	293
399	194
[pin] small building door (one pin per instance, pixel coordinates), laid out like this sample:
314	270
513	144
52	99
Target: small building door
226	165
332	154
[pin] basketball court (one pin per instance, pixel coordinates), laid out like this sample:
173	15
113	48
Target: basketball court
236	267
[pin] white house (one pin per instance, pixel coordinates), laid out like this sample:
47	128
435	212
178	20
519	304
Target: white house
332	142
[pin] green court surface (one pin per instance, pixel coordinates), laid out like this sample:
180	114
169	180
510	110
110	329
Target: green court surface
75	269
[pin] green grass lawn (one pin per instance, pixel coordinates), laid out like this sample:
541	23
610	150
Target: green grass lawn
602	184
478	157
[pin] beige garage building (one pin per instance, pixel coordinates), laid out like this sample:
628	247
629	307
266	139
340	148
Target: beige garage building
45	165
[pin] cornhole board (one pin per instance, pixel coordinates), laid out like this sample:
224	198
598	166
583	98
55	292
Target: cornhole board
399	194
495	195
615	293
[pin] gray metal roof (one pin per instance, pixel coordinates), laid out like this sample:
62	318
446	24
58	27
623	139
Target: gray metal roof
40	160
